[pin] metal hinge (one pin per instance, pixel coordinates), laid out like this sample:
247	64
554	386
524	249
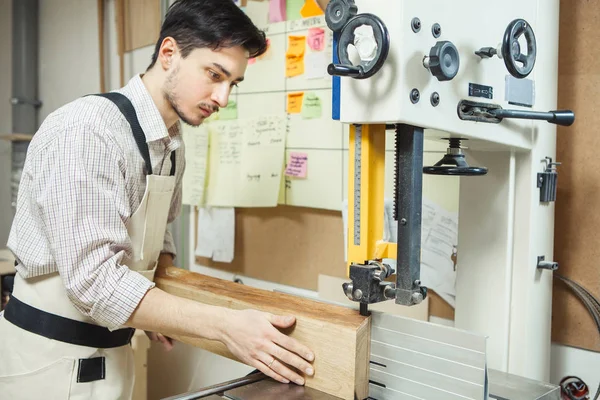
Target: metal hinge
547	180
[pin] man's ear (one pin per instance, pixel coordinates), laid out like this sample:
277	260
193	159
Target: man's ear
166	53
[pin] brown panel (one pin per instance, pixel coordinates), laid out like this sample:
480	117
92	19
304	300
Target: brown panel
339	336
577	225
142	23
292	246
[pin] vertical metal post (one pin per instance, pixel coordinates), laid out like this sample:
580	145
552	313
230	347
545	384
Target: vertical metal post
409	194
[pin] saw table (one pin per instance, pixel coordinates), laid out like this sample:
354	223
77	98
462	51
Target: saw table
258	386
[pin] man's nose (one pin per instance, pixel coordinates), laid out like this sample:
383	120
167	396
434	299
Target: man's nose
221	95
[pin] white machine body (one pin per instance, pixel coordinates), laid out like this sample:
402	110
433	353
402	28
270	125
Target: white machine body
503	226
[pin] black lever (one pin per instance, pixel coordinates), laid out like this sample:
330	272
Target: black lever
558	117
346	70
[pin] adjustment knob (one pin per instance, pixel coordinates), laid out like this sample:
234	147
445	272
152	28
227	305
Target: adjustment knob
339	12
443	61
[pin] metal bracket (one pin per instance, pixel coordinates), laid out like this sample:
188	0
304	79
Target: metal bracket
547	181
543	264
17	101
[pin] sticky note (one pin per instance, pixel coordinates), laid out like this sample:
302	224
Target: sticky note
294	102
297	165
277	10
294	57
296	45
229	112
311	106
316	39
292	9
310	9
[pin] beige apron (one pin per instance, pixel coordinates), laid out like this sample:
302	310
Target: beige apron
34	367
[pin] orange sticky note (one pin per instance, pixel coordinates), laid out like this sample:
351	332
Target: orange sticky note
294	58
296	45
310	9
294	102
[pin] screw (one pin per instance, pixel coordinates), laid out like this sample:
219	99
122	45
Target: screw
338	13
417	298
417	283
435	99
358	294
436	30
414	96
416	24
403	221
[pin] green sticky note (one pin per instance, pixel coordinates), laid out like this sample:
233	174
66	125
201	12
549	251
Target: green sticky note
292	9
229	112
311	106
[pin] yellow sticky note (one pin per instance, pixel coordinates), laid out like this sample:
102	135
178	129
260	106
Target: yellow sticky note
296	45
310	9
294	58
294	103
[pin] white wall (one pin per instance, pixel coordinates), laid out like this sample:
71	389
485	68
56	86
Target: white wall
6	212
69	68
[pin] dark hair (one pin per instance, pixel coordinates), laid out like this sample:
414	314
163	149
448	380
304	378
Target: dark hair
209	23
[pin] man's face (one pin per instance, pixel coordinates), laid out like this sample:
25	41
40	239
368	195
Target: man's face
200	84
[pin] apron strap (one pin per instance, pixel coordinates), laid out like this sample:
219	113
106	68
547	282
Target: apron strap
128	111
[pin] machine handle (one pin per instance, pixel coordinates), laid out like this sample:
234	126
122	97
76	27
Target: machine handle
346	70
558	117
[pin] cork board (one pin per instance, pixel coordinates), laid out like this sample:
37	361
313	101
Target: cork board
292	246
577	224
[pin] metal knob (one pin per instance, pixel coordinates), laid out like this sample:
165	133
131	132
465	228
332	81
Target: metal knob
443	61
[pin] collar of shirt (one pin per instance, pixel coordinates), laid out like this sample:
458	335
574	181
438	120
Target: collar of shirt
148	115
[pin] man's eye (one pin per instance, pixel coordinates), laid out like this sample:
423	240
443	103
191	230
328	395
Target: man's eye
214	75
234	84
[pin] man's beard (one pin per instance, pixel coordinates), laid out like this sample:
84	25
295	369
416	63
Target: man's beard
172	99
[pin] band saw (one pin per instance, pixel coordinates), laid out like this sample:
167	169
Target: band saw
481	78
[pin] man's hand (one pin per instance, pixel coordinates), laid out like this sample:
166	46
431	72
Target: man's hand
252	337
167	342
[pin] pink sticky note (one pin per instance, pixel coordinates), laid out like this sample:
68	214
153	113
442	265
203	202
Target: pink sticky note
297	165
316	39
277	11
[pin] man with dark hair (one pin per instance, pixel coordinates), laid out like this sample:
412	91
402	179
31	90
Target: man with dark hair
102	180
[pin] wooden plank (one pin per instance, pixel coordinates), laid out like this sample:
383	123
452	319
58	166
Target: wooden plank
17	137
339	336
577	225
142	23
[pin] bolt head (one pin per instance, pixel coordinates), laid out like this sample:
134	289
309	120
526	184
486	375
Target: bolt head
358	294
417	298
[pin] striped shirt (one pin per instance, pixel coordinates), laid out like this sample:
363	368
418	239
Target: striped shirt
83	179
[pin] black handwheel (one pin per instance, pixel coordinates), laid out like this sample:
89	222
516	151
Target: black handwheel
339	12
454	163
518	64
369	66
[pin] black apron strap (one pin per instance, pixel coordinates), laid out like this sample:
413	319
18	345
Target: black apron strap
63	329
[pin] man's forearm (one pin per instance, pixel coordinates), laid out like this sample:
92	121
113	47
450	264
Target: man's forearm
171	315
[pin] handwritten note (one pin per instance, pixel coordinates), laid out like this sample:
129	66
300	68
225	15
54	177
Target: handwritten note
246	162
310	9
196	157
297	165
216	233
316	39
229	112
311	106
294	57
294	102
276	11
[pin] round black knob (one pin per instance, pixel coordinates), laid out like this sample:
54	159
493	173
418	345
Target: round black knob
519	64
339	12
443	61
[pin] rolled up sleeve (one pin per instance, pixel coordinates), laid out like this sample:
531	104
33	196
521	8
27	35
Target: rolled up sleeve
82	203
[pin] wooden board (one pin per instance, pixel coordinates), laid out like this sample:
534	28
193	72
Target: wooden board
142	23
293	246
577	225
339	336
